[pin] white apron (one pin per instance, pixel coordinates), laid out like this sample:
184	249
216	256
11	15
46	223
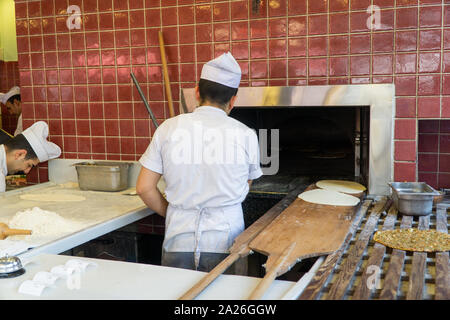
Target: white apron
3	169
204	212
204	230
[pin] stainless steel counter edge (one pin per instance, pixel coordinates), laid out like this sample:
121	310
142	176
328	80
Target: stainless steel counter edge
87	234
84	235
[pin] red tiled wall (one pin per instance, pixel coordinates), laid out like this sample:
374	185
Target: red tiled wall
9	77
78	80
434	152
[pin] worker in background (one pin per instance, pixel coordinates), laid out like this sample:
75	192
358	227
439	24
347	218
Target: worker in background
13	104
4	136
204	193
25	151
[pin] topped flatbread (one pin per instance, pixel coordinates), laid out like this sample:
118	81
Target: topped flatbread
328	197
414	240
345	186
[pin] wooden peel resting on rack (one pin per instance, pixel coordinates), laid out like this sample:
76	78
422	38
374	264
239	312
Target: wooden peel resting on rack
166	74
5	231
240	246
302	231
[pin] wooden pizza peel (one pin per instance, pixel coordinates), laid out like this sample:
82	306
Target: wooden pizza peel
240	246
301	231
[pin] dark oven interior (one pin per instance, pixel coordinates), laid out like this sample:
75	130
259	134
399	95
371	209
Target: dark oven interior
314	143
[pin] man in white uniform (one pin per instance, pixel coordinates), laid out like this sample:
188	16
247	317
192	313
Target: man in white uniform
25	151
13	104
208	161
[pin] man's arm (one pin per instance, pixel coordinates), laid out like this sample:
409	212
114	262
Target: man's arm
146	188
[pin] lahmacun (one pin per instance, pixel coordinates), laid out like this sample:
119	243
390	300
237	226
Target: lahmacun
414	240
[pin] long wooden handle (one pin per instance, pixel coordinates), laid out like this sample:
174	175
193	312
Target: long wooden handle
210	277
240	246
13	232
271	275
166	74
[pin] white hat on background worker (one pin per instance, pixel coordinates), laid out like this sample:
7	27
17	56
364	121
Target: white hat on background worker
12	92
36	136
224	70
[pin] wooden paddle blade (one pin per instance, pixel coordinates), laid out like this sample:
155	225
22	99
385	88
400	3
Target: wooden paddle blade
240	246
317	229
259	225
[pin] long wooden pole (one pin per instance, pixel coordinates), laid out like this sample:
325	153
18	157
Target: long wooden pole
211	276
166	74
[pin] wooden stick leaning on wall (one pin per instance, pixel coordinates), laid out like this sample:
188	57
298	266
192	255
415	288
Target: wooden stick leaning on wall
166	74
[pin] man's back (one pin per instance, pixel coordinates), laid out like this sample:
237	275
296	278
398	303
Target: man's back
206	158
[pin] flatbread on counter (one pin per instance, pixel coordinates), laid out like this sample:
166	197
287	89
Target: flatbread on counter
414	240
345	186
51	197
328	197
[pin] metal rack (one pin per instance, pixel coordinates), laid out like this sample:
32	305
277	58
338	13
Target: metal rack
364	269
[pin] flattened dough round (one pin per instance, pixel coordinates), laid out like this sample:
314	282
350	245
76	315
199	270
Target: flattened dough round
57	197
341	186
328	197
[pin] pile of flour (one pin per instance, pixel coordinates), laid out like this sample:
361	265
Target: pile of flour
43	224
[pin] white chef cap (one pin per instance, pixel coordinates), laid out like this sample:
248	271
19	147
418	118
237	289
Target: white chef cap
12	92
224	70
36	136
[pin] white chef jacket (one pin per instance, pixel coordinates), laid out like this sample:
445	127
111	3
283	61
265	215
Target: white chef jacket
206	159
3	168
19	128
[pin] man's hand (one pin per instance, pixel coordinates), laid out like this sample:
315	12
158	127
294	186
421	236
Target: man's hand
146	188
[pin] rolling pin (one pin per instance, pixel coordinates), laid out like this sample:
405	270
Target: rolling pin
5	231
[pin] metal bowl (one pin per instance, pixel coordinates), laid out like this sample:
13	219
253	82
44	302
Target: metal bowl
10	264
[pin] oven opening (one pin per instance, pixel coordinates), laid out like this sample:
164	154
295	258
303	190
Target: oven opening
314	143
325	132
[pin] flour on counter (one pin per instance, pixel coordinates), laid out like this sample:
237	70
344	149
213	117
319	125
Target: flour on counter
43	224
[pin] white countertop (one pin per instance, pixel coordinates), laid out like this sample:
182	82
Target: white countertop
115	280
98	214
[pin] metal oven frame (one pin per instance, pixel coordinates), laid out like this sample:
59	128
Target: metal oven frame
380	98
